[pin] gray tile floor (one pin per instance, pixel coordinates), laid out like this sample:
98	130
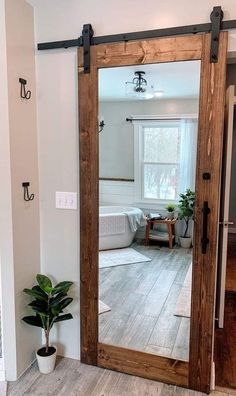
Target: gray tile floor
143	299
72	378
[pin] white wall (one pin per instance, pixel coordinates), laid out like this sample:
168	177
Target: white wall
116	141
57	110
58	157
7	297
19	222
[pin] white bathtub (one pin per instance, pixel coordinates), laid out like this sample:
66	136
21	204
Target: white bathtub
114	228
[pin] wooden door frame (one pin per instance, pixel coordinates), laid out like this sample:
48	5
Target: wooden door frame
197	373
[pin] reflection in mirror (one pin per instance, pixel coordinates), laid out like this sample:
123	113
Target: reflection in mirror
148	118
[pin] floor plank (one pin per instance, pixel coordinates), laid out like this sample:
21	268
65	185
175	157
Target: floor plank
72	378
225	346
225	339
231	264
143	301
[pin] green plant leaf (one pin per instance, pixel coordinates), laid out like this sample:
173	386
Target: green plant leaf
55	300
33	321
62	287
44	283
39	290
39	308
58	308
63	317
34	293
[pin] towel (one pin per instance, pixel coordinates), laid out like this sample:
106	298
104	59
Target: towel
136	218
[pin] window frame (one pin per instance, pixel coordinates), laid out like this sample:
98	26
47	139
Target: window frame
138	129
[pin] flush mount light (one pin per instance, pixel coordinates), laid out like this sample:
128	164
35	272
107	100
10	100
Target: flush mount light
140	89
137	85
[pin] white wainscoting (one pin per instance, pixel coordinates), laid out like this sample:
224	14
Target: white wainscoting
113	192
122	193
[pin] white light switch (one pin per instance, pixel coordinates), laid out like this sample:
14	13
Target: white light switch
66	200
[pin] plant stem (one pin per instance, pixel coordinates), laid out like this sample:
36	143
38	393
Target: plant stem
47	330
186	229
47	339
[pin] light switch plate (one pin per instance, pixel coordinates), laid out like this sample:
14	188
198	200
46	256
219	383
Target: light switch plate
66	200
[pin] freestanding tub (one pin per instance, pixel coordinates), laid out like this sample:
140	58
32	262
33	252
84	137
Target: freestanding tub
114	227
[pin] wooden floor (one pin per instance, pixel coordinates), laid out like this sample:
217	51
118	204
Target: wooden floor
72	378
225	339
143	300
225	346
231	264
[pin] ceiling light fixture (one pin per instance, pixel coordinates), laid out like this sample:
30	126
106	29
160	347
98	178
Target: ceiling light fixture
139	87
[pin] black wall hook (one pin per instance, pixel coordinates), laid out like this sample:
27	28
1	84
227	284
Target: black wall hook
27	197
23	93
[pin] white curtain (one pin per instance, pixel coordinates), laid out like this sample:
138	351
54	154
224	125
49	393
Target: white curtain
188	154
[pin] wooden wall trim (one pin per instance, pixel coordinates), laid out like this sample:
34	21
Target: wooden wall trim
129	361
210	146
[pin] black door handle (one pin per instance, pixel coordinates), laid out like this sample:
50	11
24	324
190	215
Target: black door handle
205	240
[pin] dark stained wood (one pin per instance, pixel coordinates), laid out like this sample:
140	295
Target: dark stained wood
149	51
231	264
210	141
137	363
209	159
225	346
88	144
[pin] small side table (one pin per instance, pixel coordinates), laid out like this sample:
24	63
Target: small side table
170	230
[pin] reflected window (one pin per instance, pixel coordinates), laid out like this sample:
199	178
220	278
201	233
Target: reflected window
165	158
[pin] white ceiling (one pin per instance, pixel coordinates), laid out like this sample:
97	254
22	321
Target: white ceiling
176	79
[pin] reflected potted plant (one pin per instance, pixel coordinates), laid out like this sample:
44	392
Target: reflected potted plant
48	304
170	211
186	211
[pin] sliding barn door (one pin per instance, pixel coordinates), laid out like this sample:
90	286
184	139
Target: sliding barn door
224	208
196	373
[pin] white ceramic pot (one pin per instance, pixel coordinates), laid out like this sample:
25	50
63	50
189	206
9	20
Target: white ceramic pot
46	363
170	215
185	242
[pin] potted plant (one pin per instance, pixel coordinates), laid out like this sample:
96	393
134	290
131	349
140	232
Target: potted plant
186	211
170	211
48	304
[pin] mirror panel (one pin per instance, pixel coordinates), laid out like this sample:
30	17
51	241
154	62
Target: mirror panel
148	126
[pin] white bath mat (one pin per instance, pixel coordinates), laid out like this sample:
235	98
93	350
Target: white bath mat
112	258
103	307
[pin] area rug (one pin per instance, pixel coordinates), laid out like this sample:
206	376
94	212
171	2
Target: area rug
112	258
103	307
183	305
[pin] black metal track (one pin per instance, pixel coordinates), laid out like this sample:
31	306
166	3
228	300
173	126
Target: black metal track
147	34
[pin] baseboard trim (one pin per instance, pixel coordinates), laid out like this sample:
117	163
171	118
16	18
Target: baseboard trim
232	230
27	368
